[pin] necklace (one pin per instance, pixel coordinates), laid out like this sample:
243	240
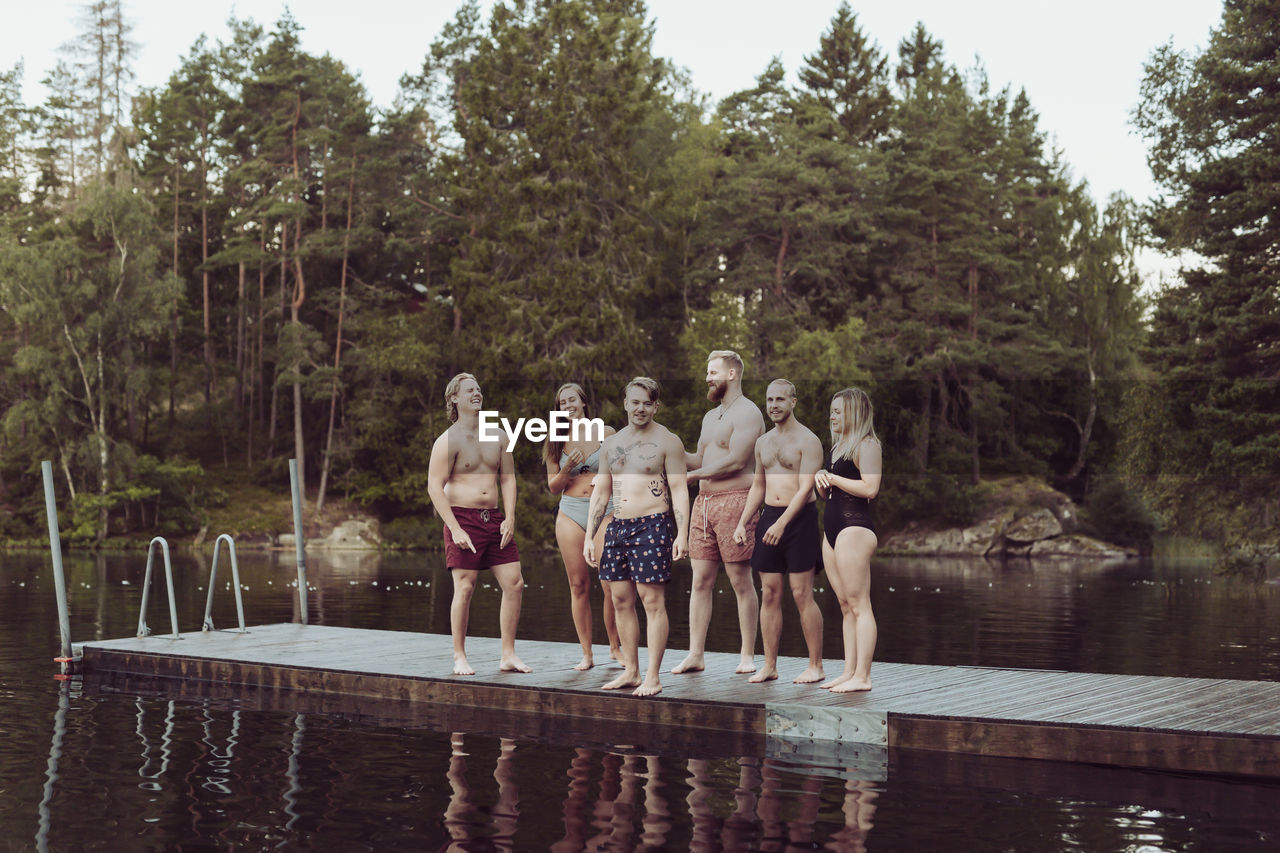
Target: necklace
720	416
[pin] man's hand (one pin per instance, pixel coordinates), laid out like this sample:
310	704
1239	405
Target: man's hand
679	549
508	530
773	535
589	553
461	539
740	534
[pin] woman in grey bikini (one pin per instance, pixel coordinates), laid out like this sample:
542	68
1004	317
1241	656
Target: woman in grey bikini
571	468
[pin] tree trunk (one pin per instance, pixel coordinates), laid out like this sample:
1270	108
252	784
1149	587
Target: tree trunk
337	349
295	305
1086	431
173	328
204	277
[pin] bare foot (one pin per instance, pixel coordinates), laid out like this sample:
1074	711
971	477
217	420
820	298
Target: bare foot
461	667
767	674
809	676
514	664
852	685
692	663
649	688
839	679
625	680
746	664
585	664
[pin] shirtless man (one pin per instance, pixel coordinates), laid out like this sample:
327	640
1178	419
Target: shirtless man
645	464
723	468
464	479
788	542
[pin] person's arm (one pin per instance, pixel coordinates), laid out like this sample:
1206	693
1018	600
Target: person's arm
869	466
810	460
742	442
507	483
694	460
678	483
437	475
559	478
598	507
755	497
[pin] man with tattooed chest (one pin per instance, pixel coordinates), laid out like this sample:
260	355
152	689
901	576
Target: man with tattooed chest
646	468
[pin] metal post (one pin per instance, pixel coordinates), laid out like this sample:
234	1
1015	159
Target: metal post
55	551
298	541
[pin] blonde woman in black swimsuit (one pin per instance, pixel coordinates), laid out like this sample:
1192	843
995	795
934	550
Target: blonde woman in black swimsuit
850	532
571	470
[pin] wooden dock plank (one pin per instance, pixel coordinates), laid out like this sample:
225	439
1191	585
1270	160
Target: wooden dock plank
1175	723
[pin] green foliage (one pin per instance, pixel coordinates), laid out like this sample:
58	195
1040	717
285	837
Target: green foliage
411	532
547	201
1210	120
1115	512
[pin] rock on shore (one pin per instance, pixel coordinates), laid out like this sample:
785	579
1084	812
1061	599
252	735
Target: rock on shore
1023	519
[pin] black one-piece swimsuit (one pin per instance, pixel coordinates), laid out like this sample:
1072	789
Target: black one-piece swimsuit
843	509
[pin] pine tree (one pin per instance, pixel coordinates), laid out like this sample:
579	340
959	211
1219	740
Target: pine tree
1213	124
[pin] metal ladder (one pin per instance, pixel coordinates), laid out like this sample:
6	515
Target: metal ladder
207	625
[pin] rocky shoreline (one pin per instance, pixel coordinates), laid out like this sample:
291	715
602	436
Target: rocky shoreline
1049	529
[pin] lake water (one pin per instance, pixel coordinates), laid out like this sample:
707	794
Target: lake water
86	768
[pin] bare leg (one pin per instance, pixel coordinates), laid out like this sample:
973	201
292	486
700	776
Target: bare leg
846	618
610	621
744	589
704	581
569	536
770	625
464	586
455	814
506	812
810	625
654	597
854	547
511	581
624	608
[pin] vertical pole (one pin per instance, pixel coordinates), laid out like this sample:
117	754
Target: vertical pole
55	551
298	541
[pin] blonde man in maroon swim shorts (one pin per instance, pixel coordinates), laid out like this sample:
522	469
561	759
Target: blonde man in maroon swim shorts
723	467
465	479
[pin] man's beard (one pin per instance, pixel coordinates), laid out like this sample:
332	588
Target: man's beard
717	390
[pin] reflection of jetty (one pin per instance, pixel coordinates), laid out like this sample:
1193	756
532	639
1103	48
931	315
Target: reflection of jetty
1192	724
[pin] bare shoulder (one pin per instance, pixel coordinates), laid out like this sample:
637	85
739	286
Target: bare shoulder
869	451
671	441
810	442
748	416
608	431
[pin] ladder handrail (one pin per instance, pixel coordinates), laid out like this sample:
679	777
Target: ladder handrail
235	580
143	630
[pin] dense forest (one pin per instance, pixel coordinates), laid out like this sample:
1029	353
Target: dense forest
254	262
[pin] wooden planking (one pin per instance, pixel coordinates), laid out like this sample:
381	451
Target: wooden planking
1178	723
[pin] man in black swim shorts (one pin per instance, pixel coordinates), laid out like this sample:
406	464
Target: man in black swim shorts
787	540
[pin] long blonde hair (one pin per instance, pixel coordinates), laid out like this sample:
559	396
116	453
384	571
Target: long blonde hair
859	421
451	406
551	450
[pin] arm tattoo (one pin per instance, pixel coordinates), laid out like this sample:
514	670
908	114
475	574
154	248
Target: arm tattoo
594	522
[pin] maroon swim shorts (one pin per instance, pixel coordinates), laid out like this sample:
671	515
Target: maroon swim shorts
484	526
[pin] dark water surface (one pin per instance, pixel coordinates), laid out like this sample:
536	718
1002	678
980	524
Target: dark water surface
88	768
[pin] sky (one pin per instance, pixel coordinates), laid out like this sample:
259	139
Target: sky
1080	63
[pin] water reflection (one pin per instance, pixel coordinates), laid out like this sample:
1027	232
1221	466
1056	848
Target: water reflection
178	765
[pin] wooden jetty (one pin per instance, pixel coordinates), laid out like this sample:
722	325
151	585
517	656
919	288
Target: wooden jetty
1157	722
